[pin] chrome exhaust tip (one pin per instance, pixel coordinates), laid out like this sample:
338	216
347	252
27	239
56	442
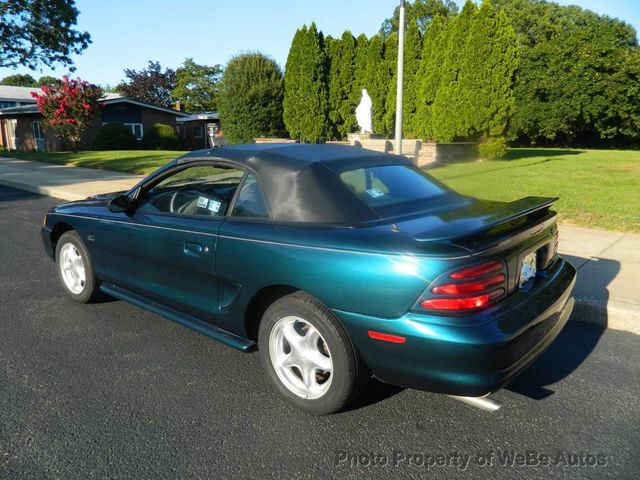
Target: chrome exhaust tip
483	403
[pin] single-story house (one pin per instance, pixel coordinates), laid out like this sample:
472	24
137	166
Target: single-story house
21	125
201	130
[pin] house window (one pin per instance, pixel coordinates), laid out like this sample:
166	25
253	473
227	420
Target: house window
136	129
8	104
37	131
197	132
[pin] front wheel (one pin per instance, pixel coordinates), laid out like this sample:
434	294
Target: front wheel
308	355
75	268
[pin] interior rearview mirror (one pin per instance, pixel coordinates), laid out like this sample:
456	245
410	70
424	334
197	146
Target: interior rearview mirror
120	204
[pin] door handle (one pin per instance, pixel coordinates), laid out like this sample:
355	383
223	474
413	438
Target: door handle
193	249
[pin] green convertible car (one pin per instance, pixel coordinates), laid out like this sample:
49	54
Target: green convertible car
338	263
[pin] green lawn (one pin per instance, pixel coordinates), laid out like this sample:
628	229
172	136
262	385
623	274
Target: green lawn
597	188
129	161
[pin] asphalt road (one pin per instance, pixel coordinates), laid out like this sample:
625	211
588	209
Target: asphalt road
111	391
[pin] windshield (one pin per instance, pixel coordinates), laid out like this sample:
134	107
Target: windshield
386	188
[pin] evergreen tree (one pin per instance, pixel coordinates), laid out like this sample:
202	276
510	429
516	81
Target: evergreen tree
360	63
305	96
343	93
487	74
250	98
429	77
412	53
332	47
376	81
448	118
390	69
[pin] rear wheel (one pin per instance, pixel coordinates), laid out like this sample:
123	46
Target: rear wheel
308	355
75	268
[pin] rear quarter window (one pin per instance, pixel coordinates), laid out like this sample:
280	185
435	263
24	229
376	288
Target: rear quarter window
384	188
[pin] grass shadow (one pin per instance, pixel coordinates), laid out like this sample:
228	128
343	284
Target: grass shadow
514	154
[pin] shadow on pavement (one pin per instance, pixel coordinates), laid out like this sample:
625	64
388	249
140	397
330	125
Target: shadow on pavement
574	344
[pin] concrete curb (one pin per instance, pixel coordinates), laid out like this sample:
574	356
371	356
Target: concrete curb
60	193
606	313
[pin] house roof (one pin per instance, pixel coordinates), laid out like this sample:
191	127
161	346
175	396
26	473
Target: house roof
22	110
9	93
199	116
107	99
120	99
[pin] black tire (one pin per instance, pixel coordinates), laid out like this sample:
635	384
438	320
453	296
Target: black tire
349	374
90	291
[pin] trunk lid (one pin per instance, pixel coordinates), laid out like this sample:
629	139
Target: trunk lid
487	229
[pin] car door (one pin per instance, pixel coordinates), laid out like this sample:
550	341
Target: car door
164	250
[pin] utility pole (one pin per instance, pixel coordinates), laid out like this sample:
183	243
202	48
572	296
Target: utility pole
400	84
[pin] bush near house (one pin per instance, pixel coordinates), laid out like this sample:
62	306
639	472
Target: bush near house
114	136
162	137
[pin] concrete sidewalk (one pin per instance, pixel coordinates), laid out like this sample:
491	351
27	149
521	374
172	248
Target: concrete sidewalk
607	290
66	183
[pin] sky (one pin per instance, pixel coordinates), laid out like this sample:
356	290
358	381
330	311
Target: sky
128	33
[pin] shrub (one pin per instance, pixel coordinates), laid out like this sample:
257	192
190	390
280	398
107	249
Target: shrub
114	136
162	137
492	148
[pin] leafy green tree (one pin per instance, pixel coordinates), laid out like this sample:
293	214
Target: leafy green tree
305	96
151	84
487	74
448	119
19	80
376	81
250	100
412	53
422	11
343	89
197	86
578	81
48	80
429	74
39	32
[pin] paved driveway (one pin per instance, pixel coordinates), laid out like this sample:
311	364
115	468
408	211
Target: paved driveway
111	391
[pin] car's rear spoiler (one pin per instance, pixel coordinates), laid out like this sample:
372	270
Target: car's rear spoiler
480	220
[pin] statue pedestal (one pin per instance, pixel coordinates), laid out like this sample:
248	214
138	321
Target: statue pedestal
358	138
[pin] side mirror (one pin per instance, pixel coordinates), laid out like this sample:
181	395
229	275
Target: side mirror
120	204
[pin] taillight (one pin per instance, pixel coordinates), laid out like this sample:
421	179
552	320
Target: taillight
473	288
477	271
468	287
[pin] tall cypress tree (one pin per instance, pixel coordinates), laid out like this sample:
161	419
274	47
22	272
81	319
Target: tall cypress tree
390	68
332	48
487	73
412	54
360	62
343	97
449	121
305	97
376	81
429	75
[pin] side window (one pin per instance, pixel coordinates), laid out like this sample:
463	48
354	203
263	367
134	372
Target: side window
198	190
250	202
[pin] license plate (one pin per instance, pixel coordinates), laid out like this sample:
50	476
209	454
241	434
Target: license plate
528	271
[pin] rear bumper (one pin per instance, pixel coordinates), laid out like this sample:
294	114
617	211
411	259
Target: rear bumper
472	355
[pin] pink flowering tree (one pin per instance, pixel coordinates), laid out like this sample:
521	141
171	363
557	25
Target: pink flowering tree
69	108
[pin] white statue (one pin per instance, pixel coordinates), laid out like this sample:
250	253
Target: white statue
364	113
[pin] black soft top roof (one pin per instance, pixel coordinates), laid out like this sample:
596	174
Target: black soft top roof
301	182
